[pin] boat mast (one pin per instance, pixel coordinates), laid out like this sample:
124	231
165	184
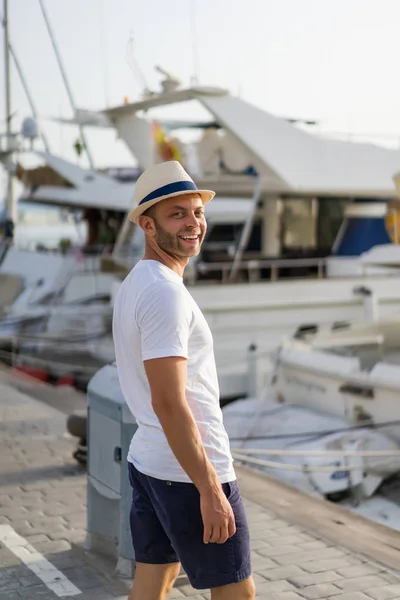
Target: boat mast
26	88
66	83
10	207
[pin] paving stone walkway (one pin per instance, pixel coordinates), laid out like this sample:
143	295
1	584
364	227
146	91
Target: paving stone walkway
42	499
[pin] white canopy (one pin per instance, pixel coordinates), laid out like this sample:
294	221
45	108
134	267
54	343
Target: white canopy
289	159
304	162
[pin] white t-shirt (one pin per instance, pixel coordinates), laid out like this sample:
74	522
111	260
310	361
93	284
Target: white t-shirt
155	317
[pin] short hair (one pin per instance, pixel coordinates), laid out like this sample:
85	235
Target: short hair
150	211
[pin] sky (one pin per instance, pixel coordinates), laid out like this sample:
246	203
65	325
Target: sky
335	61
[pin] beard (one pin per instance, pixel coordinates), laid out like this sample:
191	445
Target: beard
172	245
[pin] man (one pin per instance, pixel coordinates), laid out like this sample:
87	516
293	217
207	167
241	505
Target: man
186	505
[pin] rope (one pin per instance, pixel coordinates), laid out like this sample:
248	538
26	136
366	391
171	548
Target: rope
313	434
50	339
321	452
304	468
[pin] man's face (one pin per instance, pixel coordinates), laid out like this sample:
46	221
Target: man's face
180	225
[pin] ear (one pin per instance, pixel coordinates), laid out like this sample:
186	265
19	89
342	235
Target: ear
147	224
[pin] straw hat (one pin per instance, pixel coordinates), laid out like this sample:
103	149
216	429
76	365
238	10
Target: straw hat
162	181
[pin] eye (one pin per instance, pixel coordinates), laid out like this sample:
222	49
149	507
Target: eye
178	215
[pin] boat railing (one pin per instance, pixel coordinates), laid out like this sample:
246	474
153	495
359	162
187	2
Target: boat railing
254	269
88	258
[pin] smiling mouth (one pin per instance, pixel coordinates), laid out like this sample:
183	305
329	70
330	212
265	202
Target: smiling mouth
189	238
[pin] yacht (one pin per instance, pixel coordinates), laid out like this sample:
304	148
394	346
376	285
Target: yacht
289	230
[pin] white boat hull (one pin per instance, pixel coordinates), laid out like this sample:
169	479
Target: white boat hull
307	449
342	386
258	314
265	314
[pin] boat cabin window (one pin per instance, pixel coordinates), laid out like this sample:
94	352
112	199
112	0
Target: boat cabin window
222	240
310	225
329	220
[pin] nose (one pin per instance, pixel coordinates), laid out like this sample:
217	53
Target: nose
192	220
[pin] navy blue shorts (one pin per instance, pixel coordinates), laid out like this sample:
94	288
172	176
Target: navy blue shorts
167	527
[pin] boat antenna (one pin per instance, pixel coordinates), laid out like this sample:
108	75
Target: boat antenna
66	82
195	47
134	66
103	45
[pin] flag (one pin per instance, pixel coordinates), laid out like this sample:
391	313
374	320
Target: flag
167	148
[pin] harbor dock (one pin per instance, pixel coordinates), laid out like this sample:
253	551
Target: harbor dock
303	547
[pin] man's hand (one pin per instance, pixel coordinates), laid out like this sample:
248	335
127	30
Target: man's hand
218	518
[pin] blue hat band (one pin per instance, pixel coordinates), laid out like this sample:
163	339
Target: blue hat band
170	188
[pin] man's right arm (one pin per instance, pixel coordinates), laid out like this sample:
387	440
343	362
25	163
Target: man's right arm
167	380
